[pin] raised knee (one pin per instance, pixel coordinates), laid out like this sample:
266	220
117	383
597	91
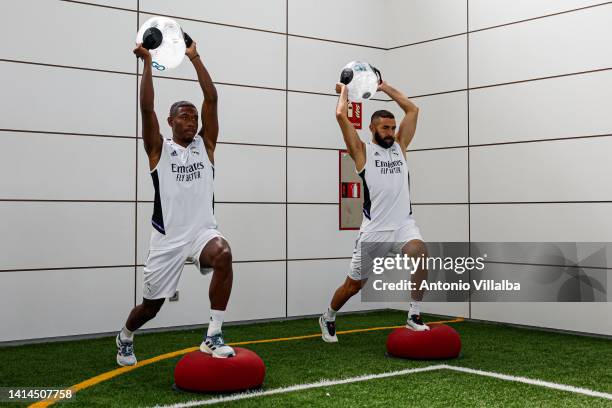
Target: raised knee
417	249
223	257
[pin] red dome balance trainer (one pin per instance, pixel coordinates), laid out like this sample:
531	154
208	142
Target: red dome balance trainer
441	342
200	372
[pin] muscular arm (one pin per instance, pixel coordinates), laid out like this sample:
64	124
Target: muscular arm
407	126
150	126
210	120
354	145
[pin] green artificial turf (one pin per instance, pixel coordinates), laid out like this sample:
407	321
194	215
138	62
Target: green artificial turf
561	358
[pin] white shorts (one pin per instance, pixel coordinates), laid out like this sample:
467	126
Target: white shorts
394	240
164	267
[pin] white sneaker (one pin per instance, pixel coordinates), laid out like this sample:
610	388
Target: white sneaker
328	330
216	346
125	352
416	323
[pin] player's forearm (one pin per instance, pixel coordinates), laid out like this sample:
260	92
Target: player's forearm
350	136
342	110
402	100
146	88
206	83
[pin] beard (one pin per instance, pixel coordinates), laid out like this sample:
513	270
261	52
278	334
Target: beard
384	142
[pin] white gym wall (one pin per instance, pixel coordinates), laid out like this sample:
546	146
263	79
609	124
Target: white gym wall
76	196
548	190
537	70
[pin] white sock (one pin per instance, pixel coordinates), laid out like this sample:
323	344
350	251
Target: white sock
415	308
330	314
125	334
216	321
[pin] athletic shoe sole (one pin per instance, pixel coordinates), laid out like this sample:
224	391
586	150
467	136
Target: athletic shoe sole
417	327
205	349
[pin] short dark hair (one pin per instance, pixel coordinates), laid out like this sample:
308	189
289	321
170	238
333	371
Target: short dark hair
381	114
176	105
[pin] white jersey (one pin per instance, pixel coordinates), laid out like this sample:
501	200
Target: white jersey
386	204
183	182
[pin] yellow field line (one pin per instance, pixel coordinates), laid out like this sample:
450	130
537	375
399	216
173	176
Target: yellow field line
118	371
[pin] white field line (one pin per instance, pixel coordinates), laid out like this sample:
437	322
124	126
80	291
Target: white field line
300	387
328	383
540	383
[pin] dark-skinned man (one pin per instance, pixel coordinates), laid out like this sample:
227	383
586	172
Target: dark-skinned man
184	226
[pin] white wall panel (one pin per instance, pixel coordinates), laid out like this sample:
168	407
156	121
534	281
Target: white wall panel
61	167
56	235
145	182
262	14
577	105
313	232
242	173
315	66
422	20
311	285
249	173
442	121
438	176
452	309
254	231
129	4
563	222
312	120
313	176
352	21
66	100
549	315
244	57
144	228
51	303
442	223
258	292
566	170
249	115
246	115
562	44
488	13
431	67
62	21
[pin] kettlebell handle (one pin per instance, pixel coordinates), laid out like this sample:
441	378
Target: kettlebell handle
188	40
378	74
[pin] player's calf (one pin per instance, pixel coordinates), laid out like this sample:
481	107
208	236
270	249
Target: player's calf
139	315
